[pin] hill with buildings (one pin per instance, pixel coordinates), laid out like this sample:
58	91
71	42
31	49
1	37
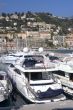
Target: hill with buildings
21	22
40	29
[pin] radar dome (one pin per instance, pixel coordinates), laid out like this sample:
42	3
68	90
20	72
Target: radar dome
40	49
25	49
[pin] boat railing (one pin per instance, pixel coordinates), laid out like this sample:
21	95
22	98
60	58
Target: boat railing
2	92
39	67
31	90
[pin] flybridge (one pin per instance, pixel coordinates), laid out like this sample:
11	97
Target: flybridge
34	69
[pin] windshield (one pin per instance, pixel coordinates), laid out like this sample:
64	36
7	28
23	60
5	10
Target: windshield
38	58
31	60
39	76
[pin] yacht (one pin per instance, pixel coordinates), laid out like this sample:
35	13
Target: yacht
13	57
10	58
33	78
65	74
53	58
5	86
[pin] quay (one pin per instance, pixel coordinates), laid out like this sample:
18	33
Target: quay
61	105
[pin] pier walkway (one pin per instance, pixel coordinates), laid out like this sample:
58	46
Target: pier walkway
61	105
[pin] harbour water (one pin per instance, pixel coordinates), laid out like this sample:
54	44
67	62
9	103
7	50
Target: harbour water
62	50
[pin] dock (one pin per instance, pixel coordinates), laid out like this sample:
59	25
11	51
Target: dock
61	105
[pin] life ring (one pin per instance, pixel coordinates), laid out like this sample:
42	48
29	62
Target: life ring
38	91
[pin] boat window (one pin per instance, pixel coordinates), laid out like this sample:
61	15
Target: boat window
27	75
11	55
11	65
71	76
31	60
17	71
61	73
34	76
37	58
53	58
20	56
16	55
1	77
47	75
38	76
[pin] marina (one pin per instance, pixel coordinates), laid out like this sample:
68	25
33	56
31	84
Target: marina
36	55
34	80
17	101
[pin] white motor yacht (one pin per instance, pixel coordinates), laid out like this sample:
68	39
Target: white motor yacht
11	58
5	86
65	74
33	78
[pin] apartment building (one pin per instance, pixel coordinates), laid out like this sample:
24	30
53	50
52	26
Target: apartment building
69	40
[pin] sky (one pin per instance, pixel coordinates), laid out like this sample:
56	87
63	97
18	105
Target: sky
62	8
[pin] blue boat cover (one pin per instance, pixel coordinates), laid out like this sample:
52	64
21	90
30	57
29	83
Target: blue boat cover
29	62
50	93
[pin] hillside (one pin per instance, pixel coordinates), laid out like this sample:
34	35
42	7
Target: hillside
48	18
15	24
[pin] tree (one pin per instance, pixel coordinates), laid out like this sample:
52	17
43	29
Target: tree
4	14
52	34
49	43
